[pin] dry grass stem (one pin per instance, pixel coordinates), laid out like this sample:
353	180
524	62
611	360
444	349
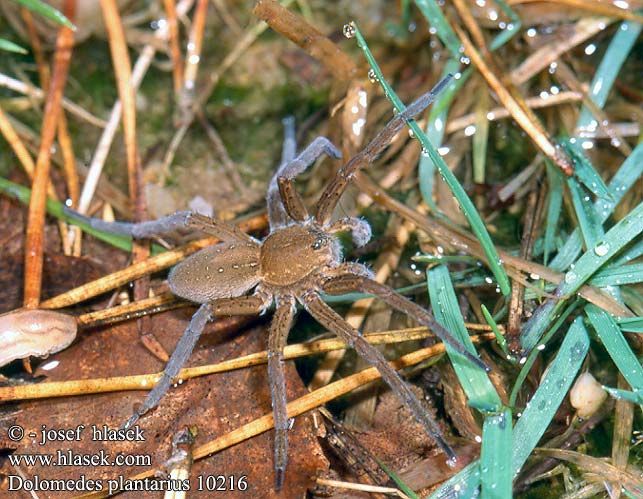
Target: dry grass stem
531	126
592	6
102	149
374	489
38	94
551	52
147	381
132	310
195	43
175	50
498	113
34	243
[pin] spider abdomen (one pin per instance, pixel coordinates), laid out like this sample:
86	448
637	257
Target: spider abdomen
222	270
291	254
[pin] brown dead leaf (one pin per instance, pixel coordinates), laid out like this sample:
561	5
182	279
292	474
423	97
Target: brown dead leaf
215	404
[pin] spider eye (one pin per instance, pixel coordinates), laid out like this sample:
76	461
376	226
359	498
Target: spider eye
318	243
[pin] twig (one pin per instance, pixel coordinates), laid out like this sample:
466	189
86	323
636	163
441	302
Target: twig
297	30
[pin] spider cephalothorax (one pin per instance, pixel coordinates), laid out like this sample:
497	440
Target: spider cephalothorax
298	260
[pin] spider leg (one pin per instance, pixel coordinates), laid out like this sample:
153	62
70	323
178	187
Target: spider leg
152	228
291	200
278	207
348	283
336	188
279	329
332	321
243	305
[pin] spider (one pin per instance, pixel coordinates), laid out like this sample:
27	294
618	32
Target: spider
300	258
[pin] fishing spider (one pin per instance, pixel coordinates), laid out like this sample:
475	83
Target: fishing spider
300	258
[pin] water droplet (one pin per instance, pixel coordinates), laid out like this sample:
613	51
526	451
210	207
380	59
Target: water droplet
349	30
602	248
372	76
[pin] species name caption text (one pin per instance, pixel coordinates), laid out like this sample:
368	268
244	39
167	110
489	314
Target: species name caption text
66	457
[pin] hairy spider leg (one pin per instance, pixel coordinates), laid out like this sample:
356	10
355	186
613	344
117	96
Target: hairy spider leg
242	305
281	209
277	337
350	283
291	200
170	223
332	321
337	186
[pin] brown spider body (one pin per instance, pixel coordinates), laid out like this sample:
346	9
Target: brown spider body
298	260
222	270
286	263
290	256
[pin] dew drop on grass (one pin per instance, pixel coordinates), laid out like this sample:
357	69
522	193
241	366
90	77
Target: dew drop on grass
372	76
602	248
349	30
570	277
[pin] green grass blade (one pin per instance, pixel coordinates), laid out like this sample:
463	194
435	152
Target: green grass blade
631	324
480	139
502	343
410	493
616	346
617	393
468	209
11	47
543	405
480	392
435	132
463	484
594	258
535	418
533	355
591	229
585	171
433	14
46	11
609	67
555	182
629	172
618	275
632	252
510	30
495	472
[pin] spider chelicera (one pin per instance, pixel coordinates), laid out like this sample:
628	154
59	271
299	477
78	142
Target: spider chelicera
300	258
